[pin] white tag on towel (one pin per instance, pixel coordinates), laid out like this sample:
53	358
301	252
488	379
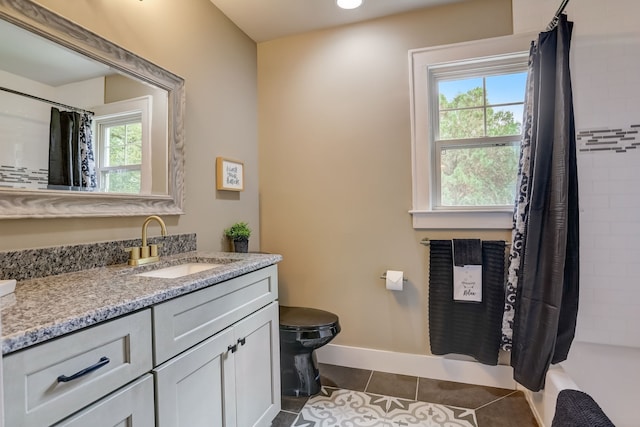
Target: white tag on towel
467	283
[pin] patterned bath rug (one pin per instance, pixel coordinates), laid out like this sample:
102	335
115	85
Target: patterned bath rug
335	407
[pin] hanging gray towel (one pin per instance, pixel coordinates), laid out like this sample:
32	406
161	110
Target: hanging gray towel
467	252
467	270
462	328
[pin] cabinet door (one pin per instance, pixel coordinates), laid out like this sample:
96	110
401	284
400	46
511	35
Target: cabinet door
257	361
196	388
131	406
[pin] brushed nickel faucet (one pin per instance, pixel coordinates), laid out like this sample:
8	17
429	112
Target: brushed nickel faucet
146	253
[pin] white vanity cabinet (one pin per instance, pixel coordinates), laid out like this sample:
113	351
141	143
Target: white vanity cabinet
208	358
49	382
232	378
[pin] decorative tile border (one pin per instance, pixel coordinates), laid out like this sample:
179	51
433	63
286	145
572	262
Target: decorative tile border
34	263
606	140
340	407
11	176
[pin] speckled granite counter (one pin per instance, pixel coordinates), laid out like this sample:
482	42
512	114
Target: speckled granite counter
48	307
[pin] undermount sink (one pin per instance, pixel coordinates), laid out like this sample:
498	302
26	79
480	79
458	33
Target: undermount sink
180	270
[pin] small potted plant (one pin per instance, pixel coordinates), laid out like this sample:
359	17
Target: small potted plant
239	234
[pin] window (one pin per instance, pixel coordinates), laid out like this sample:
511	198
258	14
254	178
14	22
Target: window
477	123
122	132
467	109
120	154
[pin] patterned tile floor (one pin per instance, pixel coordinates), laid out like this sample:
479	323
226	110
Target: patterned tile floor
358	397
341	407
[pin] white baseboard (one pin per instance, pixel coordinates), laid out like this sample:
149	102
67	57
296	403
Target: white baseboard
418	365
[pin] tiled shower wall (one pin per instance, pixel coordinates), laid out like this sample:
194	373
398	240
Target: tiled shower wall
609	186
605	66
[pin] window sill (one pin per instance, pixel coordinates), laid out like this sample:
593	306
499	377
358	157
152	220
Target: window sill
498	219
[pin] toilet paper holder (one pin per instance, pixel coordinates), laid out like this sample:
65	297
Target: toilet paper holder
384	277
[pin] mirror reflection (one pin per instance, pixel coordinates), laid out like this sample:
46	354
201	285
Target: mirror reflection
66	87
72	123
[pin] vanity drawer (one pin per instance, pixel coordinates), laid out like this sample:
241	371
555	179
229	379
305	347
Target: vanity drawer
132	404
35	395
184	322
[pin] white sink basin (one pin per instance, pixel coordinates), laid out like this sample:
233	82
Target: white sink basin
180	270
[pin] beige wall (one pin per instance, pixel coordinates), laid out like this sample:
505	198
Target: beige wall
335	168
218	62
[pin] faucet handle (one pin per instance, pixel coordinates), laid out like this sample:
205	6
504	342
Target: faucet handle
134	253
154	249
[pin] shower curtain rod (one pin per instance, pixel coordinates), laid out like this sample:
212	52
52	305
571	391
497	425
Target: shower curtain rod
556	17
57	104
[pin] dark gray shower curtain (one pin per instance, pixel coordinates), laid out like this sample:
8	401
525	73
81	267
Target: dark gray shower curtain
71	158
546	300
65	167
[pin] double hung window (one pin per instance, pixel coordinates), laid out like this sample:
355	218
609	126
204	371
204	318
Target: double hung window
476	130
120	157
122	133
467	111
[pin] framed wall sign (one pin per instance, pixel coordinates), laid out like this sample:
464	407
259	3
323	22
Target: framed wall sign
229	174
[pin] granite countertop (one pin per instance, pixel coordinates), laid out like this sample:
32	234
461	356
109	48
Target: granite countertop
48	307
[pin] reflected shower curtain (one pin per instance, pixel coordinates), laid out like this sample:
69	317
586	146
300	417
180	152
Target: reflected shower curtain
71	158
87	157
542	294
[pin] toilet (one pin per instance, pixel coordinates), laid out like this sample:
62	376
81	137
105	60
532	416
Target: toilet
302	330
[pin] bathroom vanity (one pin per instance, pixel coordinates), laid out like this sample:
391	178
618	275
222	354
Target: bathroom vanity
199	349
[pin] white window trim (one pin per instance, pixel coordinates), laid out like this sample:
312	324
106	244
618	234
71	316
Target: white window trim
423	212
143	105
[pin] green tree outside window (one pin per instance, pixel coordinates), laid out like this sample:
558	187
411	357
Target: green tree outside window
474	171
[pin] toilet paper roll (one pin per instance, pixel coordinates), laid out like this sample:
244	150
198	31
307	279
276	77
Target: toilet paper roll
394	280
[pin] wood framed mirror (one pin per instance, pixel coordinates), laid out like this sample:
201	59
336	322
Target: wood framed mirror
124	75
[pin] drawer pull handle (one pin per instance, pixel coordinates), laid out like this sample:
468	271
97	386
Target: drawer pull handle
103	361
233	348
242	341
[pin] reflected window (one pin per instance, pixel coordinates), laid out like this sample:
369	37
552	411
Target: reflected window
122	132
119	144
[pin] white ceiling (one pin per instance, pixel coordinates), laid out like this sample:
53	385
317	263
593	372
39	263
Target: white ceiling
264	20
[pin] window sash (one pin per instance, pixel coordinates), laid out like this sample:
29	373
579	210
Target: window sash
104	126
509	64
436	76
125	146
105	172
485	142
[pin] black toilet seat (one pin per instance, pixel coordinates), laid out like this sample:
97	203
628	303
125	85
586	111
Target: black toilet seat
304	319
